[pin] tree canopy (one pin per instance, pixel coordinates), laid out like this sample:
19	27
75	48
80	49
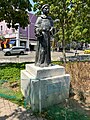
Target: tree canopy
74	19
15	11
74	16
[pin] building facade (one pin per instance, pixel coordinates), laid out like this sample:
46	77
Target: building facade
20	37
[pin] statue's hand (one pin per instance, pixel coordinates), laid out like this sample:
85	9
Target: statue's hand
38	32
52	30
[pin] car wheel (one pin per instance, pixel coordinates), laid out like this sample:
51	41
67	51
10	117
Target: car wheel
21	53
8	53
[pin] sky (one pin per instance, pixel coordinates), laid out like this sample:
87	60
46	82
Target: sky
31	1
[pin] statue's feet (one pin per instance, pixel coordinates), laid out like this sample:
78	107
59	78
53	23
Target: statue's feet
44	65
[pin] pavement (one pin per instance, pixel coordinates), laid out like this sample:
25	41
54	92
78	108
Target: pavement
30	56
11	111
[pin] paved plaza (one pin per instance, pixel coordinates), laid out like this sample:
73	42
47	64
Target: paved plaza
30	56
11	111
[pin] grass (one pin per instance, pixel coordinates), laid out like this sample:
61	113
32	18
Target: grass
10	74
11	71
64	113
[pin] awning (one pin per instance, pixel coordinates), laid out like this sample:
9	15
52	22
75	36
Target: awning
12	42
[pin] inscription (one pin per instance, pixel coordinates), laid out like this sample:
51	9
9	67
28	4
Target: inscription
53	88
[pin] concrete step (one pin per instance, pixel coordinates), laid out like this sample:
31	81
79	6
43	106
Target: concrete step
43	72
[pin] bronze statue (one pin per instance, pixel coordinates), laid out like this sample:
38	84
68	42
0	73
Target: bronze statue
43	31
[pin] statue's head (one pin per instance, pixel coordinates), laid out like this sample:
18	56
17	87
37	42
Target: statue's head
45	9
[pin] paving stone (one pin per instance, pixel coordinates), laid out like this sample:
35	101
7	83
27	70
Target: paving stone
11	111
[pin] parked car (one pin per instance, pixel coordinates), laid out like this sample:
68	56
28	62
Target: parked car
14	50
87	51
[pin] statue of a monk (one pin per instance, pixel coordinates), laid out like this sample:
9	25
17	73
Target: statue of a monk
43	32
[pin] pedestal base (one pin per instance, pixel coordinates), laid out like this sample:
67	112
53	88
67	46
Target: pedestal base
44	86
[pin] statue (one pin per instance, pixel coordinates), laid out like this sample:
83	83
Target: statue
43	32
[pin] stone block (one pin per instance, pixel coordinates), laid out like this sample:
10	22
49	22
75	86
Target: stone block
48	92
42	72
25	82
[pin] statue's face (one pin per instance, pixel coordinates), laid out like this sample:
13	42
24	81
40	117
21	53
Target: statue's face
46	10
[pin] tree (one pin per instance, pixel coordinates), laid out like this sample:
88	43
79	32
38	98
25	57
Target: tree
82	23
15	11
74	19
59	10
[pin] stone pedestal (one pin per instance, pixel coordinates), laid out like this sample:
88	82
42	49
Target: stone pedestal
44	86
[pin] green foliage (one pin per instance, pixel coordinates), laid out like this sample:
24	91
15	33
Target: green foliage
10	74
71	14
74	20
64	113
11	71
15	11
57	62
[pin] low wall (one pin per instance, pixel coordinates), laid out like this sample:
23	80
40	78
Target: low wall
78	58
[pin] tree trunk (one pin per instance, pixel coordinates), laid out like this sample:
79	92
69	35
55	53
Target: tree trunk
63	44
63	33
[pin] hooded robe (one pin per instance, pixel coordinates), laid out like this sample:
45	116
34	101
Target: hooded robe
43	26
